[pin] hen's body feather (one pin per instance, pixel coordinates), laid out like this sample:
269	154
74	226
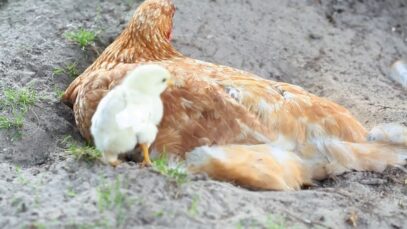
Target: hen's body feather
232	111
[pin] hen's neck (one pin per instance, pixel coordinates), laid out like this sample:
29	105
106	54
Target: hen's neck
136	45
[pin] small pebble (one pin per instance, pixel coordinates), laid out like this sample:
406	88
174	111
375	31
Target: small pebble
399	72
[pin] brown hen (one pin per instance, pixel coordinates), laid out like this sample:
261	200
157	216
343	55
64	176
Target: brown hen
235	125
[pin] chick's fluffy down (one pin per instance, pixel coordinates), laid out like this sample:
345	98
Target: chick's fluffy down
128	115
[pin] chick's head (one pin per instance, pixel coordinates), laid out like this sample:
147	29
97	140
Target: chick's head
150	79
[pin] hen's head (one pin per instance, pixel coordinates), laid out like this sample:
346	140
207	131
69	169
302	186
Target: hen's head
146	38
154	18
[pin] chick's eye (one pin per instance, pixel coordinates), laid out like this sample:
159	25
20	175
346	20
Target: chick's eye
164	80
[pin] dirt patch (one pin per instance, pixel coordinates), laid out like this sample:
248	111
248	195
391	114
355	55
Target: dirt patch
337	49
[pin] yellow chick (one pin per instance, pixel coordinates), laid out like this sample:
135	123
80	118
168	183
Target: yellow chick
129	114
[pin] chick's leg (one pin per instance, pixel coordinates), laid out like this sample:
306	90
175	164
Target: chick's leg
111	159
144	148
115	163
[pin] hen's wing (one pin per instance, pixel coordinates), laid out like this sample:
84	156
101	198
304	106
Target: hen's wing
290	117
287	108
198	113
71	93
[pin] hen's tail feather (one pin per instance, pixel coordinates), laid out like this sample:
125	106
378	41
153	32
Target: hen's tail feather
338	157
269	167
252	166
390	133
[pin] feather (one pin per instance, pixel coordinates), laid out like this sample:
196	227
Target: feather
270	167
126	118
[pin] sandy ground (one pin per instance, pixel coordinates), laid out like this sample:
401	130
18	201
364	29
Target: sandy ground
337	49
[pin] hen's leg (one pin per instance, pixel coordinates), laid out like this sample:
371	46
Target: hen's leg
144	148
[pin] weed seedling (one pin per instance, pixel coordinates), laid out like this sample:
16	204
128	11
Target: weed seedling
14	106
21	179
58	93
70	69
111	198
87	152
70	192
193	208
158	213
176	172
273	222
35	226
19	99
82	37
58	71
16	122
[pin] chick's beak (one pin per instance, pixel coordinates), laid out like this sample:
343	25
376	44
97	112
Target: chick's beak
170	82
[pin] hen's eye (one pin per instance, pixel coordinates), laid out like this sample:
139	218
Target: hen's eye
164	80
